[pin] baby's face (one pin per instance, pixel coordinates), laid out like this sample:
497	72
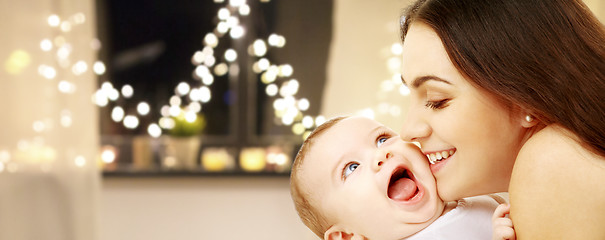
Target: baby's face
364	178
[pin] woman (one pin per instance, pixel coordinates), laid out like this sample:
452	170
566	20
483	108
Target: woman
509	95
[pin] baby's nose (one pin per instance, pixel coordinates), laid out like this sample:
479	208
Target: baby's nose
382	157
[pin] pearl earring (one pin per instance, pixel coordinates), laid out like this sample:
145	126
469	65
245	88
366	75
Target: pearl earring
529	118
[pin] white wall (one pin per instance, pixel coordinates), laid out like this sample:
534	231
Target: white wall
364	32
199	208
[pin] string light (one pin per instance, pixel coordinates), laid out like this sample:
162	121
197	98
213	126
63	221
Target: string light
237	32
80	161
117	114
99	67
230	55
286	104
54	20
46	45
127	91
143	108
131	121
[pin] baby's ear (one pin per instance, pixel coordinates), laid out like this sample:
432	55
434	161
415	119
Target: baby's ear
337	233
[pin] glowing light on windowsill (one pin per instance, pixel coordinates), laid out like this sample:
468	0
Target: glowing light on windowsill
108	155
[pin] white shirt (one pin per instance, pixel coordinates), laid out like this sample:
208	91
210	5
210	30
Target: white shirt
470	220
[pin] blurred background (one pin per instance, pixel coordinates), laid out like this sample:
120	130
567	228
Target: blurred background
154	119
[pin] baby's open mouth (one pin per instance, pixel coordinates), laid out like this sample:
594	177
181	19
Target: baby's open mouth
402	186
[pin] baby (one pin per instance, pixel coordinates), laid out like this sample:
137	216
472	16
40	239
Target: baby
354	178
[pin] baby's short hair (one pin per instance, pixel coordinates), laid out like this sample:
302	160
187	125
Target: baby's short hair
311	217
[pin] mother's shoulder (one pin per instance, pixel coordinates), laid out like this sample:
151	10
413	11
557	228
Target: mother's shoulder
556	186
555	145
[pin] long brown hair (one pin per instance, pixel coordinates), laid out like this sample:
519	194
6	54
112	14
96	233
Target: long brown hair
546	56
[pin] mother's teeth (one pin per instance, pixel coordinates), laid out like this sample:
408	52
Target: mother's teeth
438	156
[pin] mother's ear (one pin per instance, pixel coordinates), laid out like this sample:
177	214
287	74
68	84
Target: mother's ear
336	232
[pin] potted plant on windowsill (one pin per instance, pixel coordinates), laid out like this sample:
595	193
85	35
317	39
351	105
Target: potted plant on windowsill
184	141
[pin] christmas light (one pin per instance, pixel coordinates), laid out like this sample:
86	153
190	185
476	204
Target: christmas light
154	130
143	108
46	45
54	20
127	91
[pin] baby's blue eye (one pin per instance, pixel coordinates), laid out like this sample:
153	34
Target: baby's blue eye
349	168
381	140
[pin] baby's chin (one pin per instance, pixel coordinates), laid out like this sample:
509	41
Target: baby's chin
434	209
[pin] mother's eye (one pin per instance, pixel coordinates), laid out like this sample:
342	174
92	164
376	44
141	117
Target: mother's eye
348	169
437	104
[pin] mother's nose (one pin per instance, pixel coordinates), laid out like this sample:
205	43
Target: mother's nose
415	129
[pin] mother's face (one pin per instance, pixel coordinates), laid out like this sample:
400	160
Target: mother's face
476	137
